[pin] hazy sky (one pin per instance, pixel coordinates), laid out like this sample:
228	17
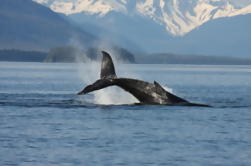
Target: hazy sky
241	2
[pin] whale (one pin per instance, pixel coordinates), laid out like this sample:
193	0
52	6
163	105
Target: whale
145	92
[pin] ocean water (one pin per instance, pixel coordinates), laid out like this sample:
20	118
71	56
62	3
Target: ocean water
44	122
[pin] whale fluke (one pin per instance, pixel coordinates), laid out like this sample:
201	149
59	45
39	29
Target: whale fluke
145	92
99	84
107	75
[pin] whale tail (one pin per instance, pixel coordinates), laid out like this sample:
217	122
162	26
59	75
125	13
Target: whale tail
145	92
107	75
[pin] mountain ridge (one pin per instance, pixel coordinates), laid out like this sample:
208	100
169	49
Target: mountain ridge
30	26
178	17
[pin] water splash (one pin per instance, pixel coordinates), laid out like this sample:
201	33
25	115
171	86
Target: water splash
170	90
113	96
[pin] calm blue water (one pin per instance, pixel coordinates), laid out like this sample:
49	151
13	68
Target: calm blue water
43	122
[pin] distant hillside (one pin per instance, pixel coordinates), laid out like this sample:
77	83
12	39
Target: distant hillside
27	25
64	54
14	55
165	58
72	54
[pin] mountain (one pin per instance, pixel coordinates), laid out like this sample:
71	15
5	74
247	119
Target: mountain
137	33
200	27
225	36
25	24
178	17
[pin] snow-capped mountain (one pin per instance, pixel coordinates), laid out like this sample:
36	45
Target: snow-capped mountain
178	17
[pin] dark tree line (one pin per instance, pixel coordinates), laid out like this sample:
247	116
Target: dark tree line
23	56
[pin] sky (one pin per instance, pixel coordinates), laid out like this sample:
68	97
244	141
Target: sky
241	2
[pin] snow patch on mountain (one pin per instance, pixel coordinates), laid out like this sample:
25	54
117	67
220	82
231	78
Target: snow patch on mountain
178	16
99	7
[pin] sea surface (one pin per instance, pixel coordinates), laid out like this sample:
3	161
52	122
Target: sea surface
44	123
